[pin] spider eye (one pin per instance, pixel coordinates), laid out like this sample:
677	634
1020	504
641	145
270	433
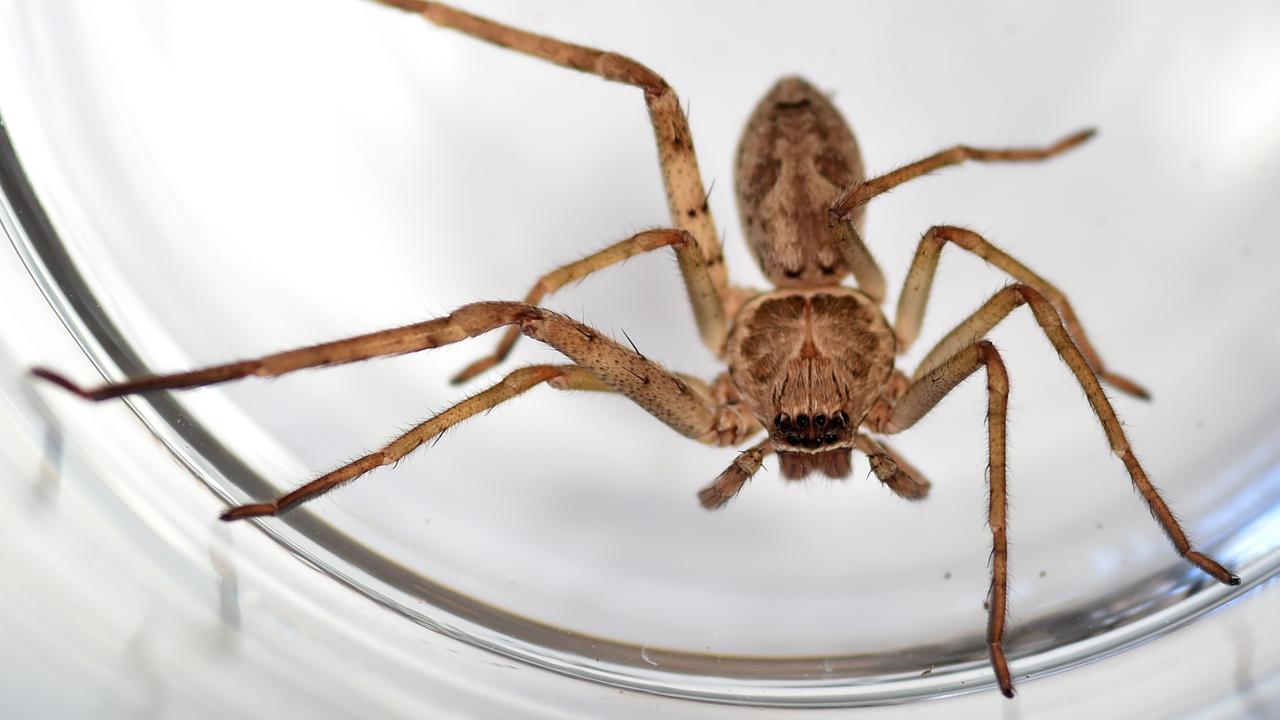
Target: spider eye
829	438
802	421
820	420
782	422
840	419
793	439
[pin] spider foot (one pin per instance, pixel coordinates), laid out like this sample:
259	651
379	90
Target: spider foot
241	512
1213	568
1125	385
64	383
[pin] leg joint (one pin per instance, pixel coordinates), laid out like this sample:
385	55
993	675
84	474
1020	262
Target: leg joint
954	234
623	69
997	376
523	378
673	237
1046	313
1030	295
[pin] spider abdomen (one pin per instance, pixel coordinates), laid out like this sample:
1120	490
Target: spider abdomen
796	156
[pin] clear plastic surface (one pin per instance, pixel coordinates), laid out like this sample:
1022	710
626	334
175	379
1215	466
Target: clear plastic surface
211	181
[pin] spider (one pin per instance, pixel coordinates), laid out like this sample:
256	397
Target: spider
810	362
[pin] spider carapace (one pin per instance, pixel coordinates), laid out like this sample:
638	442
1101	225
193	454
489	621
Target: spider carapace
811	363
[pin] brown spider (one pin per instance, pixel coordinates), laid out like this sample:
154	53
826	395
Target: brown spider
811	362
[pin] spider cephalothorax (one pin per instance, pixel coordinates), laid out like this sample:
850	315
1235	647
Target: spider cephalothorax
811	362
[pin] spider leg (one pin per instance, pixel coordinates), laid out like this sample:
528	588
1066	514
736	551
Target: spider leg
565	377
728	483
906	412
859	194
702	293
936	379
686	196
466	322
685	407
921	397
861	262
561	377
915	296
896	474
396	341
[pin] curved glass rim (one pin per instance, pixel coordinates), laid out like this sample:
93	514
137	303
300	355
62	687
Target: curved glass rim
1148	608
